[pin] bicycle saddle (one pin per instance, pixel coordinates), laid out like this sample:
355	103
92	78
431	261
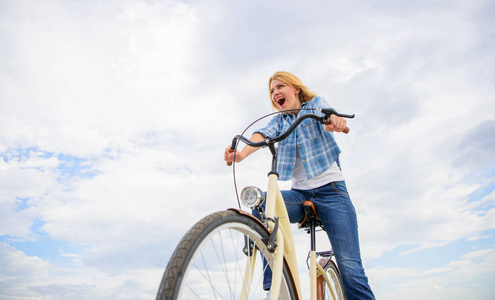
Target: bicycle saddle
309	215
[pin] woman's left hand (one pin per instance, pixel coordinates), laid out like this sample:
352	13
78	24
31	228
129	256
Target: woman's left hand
335	124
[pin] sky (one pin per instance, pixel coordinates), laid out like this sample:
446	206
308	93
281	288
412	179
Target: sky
114	116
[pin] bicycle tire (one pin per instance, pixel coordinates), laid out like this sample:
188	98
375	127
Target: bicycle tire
208	263
335	282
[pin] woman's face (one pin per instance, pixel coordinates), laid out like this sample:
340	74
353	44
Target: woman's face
284	96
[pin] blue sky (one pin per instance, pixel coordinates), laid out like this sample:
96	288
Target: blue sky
114	116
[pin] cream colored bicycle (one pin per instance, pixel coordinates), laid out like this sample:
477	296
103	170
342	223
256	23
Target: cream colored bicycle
218	257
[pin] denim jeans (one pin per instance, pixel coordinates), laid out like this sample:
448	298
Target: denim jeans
338	215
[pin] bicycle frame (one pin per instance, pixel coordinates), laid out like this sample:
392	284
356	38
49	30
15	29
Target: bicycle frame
275	206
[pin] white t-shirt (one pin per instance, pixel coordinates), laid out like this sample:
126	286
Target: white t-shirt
301	182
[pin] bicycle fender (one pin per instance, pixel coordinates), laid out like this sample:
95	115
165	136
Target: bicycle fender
245	213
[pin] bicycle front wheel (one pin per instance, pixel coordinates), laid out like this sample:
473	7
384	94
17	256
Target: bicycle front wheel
335	283
210	261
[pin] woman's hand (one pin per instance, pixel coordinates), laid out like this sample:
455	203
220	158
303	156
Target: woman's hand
246	151
335	124
229	156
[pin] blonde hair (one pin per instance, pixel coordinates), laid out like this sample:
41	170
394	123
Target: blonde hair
288	78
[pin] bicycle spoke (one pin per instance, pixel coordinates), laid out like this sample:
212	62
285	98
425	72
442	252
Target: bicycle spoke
260	278
222	262
192	291
207	276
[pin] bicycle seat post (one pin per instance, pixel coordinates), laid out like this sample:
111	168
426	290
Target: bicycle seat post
312	232
310	221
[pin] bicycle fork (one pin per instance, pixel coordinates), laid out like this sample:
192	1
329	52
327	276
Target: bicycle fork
278	262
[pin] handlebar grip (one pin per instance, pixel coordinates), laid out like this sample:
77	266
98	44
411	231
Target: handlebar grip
232	149
346	130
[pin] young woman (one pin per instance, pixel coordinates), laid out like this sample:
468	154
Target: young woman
310	158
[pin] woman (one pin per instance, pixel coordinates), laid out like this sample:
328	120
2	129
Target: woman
310	158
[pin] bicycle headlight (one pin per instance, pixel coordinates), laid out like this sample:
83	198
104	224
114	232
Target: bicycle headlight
252	197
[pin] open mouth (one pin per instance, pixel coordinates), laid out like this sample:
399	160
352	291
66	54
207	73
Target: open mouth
281	101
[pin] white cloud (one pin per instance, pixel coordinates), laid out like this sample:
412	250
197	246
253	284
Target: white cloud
455	280
32	277
16	265
23	181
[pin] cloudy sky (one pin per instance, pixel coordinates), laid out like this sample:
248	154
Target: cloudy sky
114	116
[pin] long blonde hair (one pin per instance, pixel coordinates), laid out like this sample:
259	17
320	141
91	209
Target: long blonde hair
288	78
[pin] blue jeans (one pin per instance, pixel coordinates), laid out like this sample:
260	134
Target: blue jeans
338	215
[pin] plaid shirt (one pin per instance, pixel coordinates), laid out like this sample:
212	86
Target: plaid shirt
317	147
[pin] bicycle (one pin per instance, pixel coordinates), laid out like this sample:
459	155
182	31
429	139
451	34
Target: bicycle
217	257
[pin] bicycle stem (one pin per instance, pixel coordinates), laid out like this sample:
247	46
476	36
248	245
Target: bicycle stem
273	150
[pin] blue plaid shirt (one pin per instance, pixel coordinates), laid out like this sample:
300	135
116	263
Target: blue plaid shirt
317	147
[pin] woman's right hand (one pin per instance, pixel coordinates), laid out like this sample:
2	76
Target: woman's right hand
229	156
246	151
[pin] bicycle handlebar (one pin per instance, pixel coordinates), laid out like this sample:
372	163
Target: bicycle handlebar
270	141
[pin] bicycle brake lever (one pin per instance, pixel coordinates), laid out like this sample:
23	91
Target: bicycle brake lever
330	111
